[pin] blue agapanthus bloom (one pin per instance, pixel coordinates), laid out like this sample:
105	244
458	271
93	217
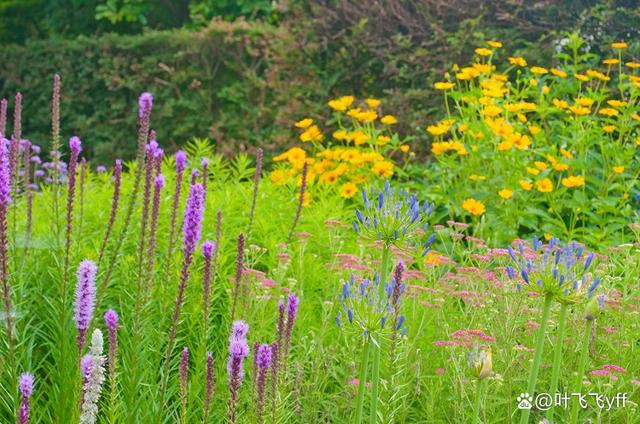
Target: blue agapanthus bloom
393	216
562	271
368	308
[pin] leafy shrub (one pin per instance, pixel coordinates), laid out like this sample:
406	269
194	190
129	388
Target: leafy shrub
217	82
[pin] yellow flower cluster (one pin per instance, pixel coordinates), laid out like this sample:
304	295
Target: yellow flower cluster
358	150
533	130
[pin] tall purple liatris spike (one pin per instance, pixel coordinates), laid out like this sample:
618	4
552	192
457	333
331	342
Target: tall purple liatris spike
26	390
208	247
239	272
85	298
75	146
263	361
192	228
3	117
292	314
146	197
155	210
55	133
194	176
192	224
145	104
181	161
181	164
205	175
93	372
238	351
17	136
5	200
115	201
396	289
83	176
26	183
17	117
111	320
280	328
208	388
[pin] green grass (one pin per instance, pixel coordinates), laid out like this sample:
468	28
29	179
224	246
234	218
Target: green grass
467	294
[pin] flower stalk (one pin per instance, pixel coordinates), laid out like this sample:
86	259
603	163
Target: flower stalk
535	366
557	355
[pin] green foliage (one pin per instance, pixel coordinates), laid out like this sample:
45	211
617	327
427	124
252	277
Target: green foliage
116	11
202	10
216	83
544	146
441	299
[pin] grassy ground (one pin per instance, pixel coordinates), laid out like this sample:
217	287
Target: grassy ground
463	286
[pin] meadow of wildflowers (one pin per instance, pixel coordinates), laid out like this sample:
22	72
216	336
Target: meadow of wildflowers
185	287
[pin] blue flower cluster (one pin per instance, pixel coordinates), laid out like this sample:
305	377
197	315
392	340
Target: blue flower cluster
393	216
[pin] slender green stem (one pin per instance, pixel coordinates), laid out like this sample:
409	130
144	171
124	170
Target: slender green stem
535	366
479	396
557	357
384	266
584	355
375	381
364	365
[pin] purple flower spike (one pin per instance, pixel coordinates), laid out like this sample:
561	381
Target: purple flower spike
194	176
181	161
239	272
26	384
263	360
184	370
208	394
26	390
292	306
75	145
85	365
111	319
239	330
159	182
115	202
192	226
184	363
292	313
85	298
208	248
152	148
263	356
204	163
100	169
5	173
145	104
238	351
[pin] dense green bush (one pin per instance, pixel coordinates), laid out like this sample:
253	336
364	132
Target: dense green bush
217	82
